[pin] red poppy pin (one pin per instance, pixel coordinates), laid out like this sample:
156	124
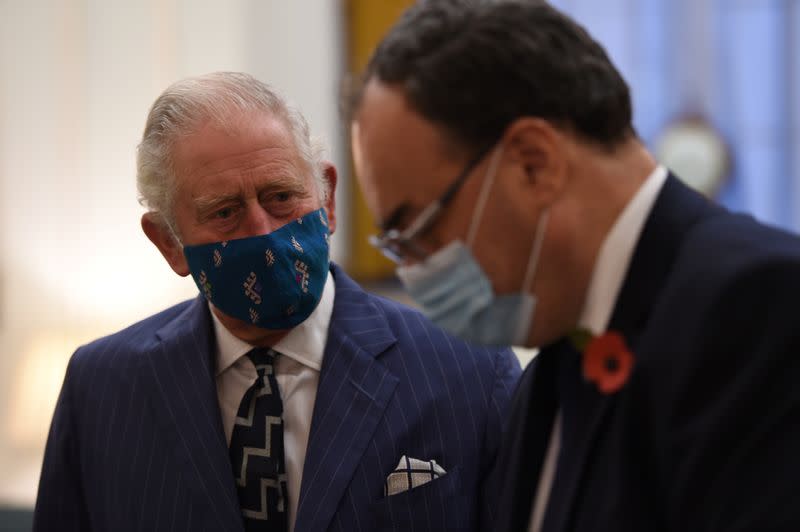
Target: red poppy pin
607	360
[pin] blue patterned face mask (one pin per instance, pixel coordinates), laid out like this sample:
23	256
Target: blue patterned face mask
273	281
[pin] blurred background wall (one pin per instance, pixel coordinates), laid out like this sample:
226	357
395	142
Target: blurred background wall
77	78
733	63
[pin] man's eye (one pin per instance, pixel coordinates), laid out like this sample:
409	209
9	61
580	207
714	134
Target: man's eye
225	213
283	196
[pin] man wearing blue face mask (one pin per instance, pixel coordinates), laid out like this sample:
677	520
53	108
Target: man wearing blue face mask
283	397
494	143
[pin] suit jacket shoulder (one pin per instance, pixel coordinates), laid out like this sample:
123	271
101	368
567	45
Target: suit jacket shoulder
132	341
450	355
723	248
136	424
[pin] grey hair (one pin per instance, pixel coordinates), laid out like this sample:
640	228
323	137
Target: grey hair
190	103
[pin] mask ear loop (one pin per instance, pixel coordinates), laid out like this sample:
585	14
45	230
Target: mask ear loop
491	172
533	262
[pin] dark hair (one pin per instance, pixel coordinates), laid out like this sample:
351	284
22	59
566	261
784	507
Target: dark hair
474	66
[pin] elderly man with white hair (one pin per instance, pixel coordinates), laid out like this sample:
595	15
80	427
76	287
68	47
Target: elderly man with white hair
283	397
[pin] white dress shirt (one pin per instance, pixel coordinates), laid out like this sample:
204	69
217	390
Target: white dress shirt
297	373
606	281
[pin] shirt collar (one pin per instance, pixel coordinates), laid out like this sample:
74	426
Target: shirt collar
616	252
304	343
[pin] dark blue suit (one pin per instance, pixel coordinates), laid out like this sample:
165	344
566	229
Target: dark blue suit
137	442
704	436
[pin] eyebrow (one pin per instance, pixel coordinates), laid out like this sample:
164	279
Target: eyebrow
206	203
209	201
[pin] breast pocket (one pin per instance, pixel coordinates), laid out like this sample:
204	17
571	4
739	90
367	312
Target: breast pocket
435	506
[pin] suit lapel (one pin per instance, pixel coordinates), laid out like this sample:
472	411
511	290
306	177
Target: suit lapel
186	407
524	448
354	390
676	209
583	410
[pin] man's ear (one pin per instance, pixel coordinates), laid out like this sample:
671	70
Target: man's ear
540	152
160	235
330	176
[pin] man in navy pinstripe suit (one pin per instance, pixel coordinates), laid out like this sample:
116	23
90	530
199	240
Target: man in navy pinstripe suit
141	433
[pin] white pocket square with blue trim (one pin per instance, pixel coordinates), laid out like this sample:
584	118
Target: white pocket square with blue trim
411	473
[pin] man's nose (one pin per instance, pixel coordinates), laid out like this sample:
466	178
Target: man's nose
257	221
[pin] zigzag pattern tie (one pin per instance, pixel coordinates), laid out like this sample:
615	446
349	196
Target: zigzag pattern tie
257	450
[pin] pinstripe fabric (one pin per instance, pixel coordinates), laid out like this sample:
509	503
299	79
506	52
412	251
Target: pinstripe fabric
137	443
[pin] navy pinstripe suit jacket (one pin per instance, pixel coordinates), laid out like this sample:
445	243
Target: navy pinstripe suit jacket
136	441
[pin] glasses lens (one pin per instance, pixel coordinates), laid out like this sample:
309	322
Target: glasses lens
388	246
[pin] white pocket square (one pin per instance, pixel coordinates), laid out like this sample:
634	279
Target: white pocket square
411	473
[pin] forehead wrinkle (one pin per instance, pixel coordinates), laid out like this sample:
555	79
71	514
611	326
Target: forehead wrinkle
258	174
203	203
284	182
228	178
249	161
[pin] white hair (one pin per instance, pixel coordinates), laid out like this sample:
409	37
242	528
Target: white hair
189	104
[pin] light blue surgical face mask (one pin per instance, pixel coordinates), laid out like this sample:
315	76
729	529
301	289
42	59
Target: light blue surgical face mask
454	292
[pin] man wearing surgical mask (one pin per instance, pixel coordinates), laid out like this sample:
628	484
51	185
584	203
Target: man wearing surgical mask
283	397
494	144
450	285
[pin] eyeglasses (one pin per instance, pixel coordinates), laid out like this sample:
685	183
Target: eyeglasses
398	245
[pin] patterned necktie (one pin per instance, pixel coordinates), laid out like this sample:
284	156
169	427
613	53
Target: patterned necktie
257	450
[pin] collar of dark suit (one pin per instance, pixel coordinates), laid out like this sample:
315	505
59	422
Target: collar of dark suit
675	211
